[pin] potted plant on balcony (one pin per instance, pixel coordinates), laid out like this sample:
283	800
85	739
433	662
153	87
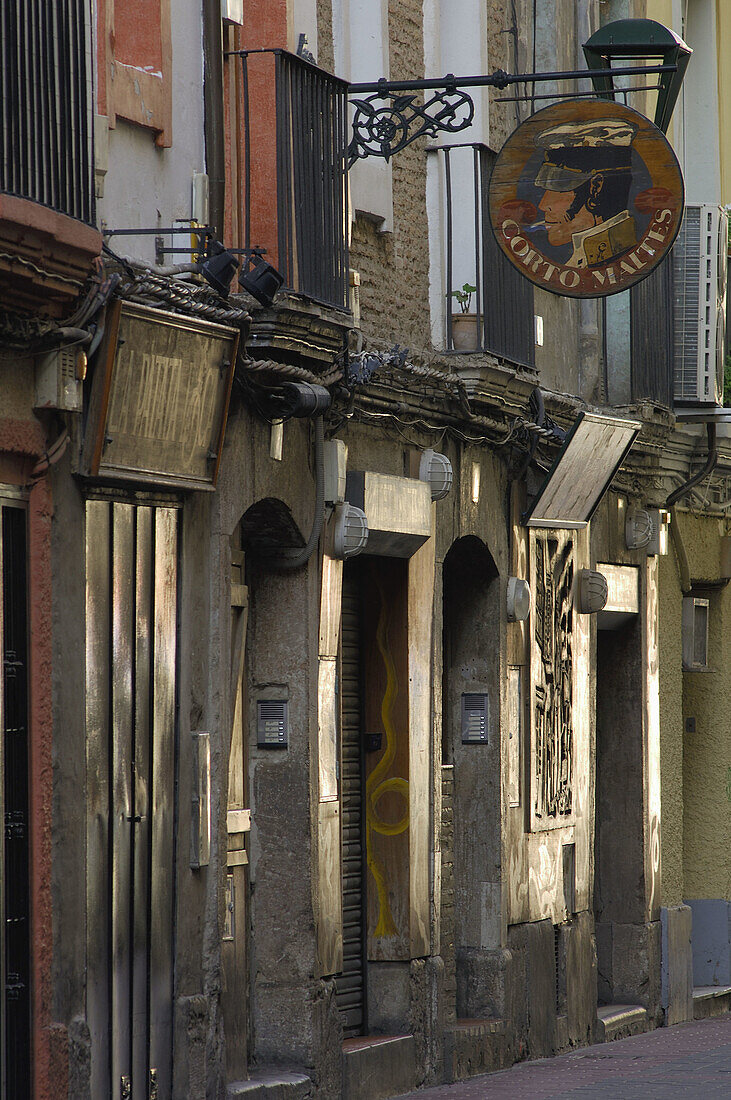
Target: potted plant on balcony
464	324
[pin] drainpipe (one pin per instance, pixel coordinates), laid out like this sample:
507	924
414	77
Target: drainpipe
709	466
675	496
213	110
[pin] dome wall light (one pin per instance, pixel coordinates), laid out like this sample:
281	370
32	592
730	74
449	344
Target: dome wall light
592	591
436	470
350	533
638	529
518	600
646	529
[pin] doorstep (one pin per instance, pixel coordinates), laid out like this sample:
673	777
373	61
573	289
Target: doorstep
378	1066
711	1000
272	1086
620	1021
474	1046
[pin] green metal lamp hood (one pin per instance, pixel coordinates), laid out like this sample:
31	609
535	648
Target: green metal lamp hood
635	38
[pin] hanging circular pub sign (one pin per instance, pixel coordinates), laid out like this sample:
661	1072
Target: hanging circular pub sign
586	198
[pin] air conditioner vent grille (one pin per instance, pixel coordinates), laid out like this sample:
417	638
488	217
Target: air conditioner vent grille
699	263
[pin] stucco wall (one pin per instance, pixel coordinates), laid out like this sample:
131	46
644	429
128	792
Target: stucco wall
707	746
146	186
671	729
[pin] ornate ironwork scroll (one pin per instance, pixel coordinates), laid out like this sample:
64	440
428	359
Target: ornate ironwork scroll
553	771
385	124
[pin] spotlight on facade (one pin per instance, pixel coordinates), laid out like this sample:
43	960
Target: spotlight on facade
519	600
436	470
219	269
592	591
350	534
300	399
262	281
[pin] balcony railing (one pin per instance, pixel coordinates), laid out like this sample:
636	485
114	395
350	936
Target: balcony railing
503	299
45	105
295	203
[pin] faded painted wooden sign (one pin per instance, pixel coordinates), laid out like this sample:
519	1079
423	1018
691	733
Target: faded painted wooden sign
159	398
586	198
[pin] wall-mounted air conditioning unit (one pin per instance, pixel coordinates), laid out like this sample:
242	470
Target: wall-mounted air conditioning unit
699	277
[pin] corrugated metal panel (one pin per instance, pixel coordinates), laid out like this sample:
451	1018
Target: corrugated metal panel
350	985
651	313
46	104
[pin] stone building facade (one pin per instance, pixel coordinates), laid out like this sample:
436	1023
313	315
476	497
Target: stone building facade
346	823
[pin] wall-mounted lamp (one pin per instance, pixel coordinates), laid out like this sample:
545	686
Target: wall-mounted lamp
300	399
518	600
262	281
350	534
639	41
647	529
436	470
592	591
219	269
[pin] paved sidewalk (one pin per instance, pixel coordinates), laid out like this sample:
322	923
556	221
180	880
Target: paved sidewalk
686	1061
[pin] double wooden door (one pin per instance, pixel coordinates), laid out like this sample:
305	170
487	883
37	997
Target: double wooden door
131	630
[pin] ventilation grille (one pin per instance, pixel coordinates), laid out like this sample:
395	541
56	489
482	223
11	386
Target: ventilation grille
46	105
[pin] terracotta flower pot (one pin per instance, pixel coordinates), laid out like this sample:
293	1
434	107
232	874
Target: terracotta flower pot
465	333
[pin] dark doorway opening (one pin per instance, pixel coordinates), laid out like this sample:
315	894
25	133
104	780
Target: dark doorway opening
16	970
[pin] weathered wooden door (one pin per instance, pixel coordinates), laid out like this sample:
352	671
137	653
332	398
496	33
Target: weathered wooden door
15	970
235	946
131	627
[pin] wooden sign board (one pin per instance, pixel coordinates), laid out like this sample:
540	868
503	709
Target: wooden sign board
159	398
586	198
582	471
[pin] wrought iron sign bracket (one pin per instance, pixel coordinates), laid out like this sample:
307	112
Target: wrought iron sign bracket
390	117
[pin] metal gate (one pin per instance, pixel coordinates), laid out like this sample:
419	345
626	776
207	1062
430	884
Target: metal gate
350	984
14	800
131	625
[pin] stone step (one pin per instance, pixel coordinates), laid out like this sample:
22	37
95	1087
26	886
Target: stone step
473	1046
619	1021
274	1085
711	1000
376	1067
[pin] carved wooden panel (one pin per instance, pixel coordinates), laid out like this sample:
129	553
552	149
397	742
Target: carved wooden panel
552	675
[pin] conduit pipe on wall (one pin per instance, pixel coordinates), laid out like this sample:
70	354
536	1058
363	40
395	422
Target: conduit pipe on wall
707	469
675	496
213	109
683	566
293	559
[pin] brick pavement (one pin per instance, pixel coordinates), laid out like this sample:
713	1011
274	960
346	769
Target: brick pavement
686	1061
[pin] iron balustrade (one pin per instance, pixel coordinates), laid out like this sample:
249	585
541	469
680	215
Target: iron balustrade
306	151
46	105
504	313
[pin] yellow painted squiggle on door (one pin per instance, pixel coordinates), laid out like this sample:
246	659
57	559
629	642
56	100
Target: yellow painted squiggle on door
378	785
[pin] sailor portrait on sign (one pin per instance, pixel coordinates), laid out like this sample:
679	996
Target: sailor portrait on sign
586	177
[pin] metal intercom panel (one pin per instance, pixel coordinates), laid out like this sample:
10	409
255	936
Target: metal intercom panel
272	723
475	713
